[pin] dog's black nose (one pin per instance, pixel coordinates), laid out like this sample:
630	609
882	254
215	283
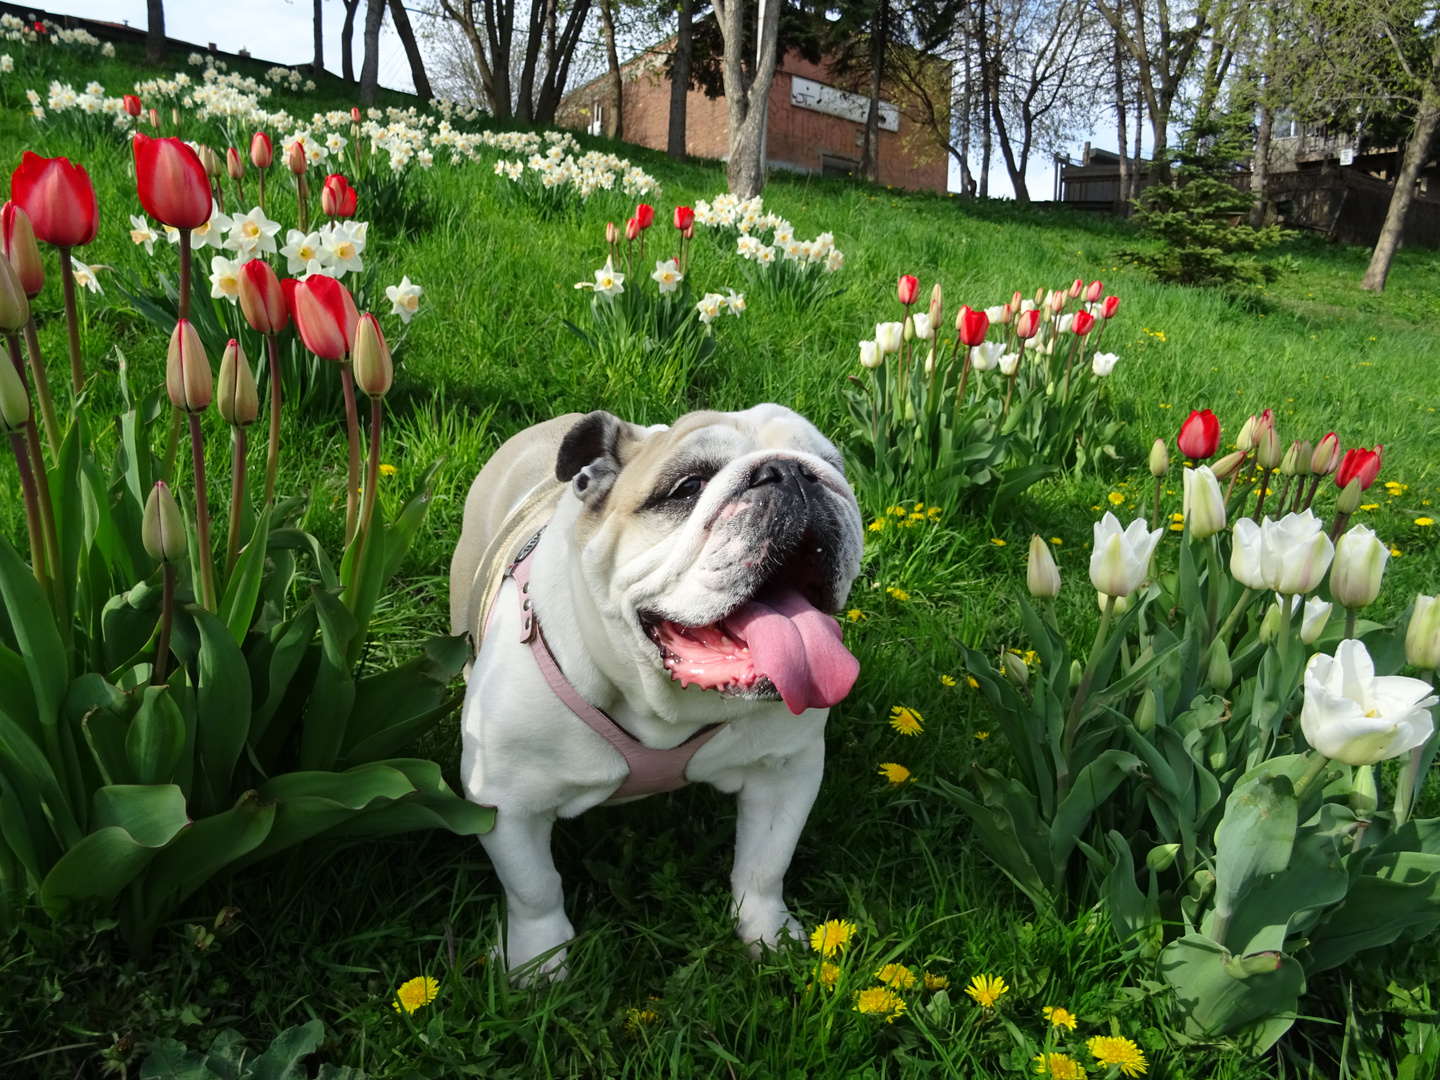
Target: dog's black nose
782	471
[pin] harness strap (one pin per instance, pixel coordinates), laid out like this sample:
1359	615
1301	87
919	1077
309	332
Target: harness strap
650	771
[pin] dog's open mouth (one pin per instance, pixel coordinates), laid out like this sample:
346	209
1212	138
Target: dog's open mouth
777	639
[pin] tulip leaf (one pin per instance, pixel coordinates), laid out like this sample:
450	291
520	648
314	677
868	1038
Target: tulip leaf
1255	839
222	706
237	606
291	539
17	703
38	643
284	1058
65	495
401	532
328	711
996	831
156	738
1091	788
128	624
105	734
291	642
395	706
1134	916
1377	910
1250	999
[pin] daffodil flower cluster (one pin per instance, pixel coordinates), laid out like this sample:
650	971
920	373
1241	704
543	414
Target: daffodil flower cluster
559	169
751	219
14	28
713	304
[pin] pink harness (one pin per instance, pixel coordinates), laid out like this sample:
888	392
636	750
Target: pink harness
650	771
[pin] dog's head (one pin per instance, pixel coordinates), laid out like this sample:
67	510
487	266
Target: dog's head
715	551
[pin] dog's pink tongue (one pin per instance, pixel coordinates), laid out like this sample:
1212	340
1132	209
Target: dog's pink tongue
798	646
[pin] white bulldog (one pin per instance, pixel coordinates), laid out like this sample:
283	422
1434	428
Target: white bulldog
669	624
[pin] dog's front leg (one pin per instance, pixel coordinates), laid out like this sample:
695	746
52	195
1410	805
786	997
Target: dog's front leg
519	849
773	803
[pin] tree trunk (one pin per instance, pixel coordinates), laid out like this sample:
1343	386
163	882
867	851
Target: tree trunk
1260	163
319	27
982	40
680	80
370	67
615	121
541	15
1017	172
967	181
155	30
1122	193
870	148
1415	152
558	55
347	41
406	33
747	99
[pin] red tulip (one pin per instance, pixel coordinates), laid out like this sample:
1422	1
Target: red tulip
972	325
1359	462
689	231
18	241
1015	301
355	114
684	217
347	204
1199	435
262	299
332	195
645	215
173	186
296	159
187	370
1077	288
632	228
155	119
1108	308
1084	322
234	164
908	289
1093	291
59	199
324	313
261	152
612	234
132	105
1027	324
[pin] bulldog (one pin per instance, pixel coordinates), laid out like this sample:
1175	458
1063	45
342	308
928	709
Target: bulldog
651	607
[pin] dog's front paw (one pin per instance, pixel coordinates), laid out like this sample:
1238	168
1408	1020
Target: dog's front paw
776	933
535	949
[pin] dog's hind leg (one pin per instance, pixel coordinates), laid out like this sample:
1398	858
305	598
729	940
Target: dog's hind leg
535	922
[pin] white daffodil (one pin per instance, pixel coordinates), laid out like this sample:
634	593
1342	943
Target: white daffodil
870	354
225	278
1353	716
315	268
668	275
252	234
764	255
212	233
889	335
834	261
609	282
342	242
735	302
986	355
142	233
1102	363
85	276
709	307
300	250
1120	558
404	298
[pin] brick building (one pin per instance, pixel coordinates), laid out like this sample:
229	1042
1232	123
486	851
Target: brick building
814	127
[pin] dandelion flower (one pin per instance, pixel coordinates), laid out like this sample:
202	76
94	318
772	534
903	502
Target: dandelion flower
829	975
1059	1016
880	1001
1424	522
832	936
635	1019
974	685
418	992
987	990
898	593
896	976
936	982
387	470
1115	498
1116	1050
855	614
982	735
896	774
997	541
906	721
947	680
1058	1067
1056	541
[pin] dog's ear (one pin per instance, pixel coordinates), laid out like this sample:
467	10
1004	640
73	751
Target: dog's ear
594	451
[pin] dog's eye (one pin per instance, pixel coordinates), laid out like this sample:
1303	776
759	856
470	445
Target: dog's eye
688	488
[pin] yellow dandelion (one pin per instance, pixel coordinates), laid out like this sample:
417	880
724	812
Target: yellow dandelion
1177	517
1058	1066
877	524
934	513
982	735
1108	1050
635	1019
1369	506
1395	552
1031	658
898	593
1056	541
906	721
829	975
855	614
973	684
997	541
896	774
1115	498
880	1001
898	511
831	937
418	992
1424	522
936	982
896	976
1059	1016
1177	528
987	990
947	680
388	470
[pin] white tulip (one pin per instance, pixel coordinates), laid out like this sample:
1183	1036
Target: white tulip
1312	622
1042	576
1360	560
1008	363
1063	326
870	355
1422	636
994	313
1245	555
1102	363
1121	558
888	335
1204	504
1122	603
1294	553
923	330
985	356
1354	717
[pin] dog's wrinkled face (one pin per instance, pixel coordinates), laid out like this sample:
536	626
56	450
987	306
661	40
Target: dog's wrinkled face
716	549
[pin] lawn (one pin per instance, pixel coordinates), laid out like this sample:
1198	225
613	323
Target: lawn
658	984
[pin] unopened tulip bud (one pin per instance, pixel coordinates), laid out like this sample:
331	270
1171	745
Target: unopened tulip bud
175	118
1145	713
1364	797
1304	452
1349	500
1014	668
1203	504
909	332
1108	307
1042	576
155	119
1218	666
1016	300
1027	325
1040	295
1326	458
1245	441
1077	288
1093	291
1359	565
14	307
937	306
262	299
132	105
632	228
296	159
162	529
1215	755
1290	463
1076	672
907	289
1270	625
689	231
1312	623
870	355
1159	459
1006	314
1228	465
1422	636
17	239
211	161
187	370
14	399
236	397
234	164
261	152
1162	856
355	114
374	371
1268	450
612	234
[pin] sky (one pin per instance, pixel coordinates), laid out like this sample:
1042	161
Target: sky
280	31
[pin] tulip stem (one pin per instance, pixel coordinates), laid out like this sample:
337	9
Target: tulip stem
1072	722
1338	525
272	457
1157	510
262	191
1212	599
1260	501
1284	494
72	320
167	613
237	502
32	510
184	304
1350	614
1234	616
42	389
352	424
202	516
372	484
1288	604
1317	766
1314	487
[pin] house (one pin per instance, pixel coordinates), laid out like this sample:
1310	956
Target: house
813	126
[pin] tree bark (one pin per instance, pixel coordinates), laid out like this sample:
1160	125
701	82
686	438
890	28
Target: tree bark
870	148
542	14
1122	193
680	80
347	41
318	65
747	97
1260	164
982	39
558	55
1416	151
406	33
155	30
370	67
967	180
499	24
615	122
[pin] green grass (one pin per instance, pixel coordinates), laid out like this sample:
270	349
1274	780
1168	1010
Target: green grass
332	934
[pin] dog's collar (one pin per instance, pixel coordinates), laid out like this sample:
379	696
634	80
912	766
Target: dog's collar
649	771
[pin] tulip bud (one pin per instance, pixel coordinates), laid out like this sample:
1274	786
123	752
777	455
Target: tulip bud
234	164
355	114
1270	625
1014	668
155	119
1304	452
374	371
1082	324
262	299
907	289
18	241
1291	461
261	152
1122	603
1349	500
1364	797
1359	565
1042	576
937	306
132	105
972	326
296	159
684	217
1215	756
689	232
1077	288
1422	636
1027	324
1218	666
14	307
1093	291
612	234
1361	464
236	397
1326	458
1204	505
1268	450
1040	295
14	399
211	161
162	529
1159	459
909	331
1312	623
632	228
645	215
1245	441
1145	713
1161	857
870	354
1109	307
1076	672
187	370
175	118
1228	465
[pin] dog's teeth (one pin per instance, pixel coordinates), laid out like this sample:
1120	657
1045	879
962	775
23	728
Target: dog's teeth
726	642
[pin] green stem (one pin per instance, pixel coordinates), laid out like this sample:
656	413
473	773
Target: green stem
1260	502
272	457
372	486
1310	497
32	510
1287	620
1350	614
202	516
167	614
42	388
1156	518
262	191
72	320
1234	616
1317	766
1072	722
237	502
1212	598
172	443
185	274
352	426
